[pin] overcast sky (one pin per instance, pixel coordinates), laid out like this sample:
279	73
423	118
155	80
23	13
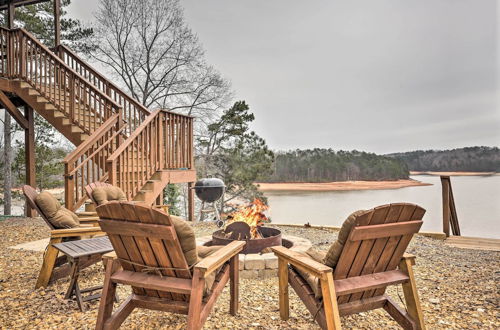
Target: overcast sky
380	76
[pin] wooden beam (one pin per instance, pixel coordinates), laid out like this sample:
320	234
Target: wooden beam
18	3
29	147
13	110
369	282
136	229
153	282
385	230
57	23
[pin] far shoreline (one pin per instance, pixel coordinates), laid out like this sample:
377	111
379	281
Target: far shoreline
340	185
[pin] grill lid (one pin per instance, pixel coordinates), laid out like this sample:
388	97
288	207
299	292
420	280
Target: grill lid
209	189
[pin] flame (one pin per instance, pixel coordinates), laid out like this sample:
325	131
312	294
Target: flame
252	214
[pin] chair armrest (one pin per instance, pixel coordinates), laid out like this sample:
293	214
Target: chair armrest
307	264
214	261
88	219
86	214
78	231
409	257
91	221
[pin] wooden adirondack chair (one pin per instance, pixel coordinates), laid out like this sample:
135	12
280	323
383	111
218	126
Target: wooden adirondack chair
153	263
371	259
90	188
55	267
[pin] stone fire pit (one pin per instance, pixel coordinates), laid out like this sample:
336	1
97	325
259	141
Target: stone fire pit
257	265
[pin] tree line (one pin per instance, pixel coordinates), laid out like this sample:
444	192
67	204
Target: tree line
327	165
469	159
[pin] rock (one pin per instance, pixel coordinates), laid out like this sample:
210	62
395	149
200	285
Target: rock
254	261
271	260
241	258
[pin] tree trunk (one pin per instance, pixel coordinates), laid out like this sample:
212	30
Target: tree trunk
7	150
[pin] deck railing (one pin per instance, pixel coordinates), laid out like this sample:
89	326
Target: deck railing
27	59
153	141
87	163
163	141
134	113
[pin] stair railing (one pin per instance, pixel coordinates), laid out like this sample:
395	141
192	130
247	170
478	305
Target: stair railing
134	113
87	163
163	141
26	58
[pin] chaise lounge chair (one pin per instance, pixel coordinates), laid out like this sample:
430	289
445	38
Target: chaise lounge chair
160	260
55	267
352	277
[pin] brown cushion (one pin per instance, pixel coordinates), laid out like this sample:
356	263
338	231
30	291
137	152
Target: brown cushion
57	215
312	280
203	252
103	195
64	218
187	239
333	254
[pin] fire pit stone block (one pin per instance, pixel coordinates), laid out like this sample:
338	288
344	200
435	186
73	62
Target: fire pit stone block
271	260
241	258
254	261
267	262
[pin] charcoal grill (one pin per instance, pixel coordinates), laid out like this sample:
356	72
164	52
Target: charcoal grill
210	190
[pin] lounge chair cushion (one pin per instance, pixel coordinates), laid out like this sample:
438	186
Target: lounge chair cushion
312	280
105	194
59	216
203	252
333	254
187	239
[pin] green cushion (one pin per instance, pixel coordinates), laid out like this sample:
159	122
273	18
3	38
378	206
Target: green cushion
105	194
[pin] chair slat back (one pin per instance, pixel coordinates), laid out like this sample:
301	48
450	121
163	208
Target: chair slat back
128	225
30	194
90	188
378	243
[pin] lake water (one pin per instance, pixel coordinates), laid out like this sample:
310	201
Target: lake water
477	200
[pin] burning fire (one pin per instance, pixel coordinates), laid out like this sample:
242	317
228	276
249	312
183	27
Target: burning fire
252	214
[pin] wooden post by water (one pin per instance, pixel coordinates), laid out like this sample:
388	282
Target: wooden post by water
450	218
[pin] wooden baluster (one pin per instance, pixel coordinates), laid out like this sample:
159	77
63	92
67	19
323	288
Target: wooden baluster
69	186
72	91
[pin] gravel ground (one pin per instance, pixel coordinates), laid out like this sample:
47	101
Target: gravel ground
458	289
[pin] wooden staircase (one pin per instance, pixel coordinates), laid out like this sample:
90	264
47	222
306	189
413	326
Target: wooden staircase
117	139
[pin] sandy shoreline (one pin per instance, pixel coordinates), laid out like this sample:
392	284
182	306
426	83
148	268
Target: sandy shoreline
453	173
341	185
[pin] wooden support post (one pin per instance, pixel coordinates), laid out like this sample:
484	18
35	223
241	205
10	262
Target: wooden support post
332	314
411	294
10	15
191	202
57	23
49	261
234	273
283	289
29	146
445	188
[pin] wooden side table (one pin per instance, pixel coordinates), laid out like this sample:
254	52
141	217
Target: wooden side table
77	253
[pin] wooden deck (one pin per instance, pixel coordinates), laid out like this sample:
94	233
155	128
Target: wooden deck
474	243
